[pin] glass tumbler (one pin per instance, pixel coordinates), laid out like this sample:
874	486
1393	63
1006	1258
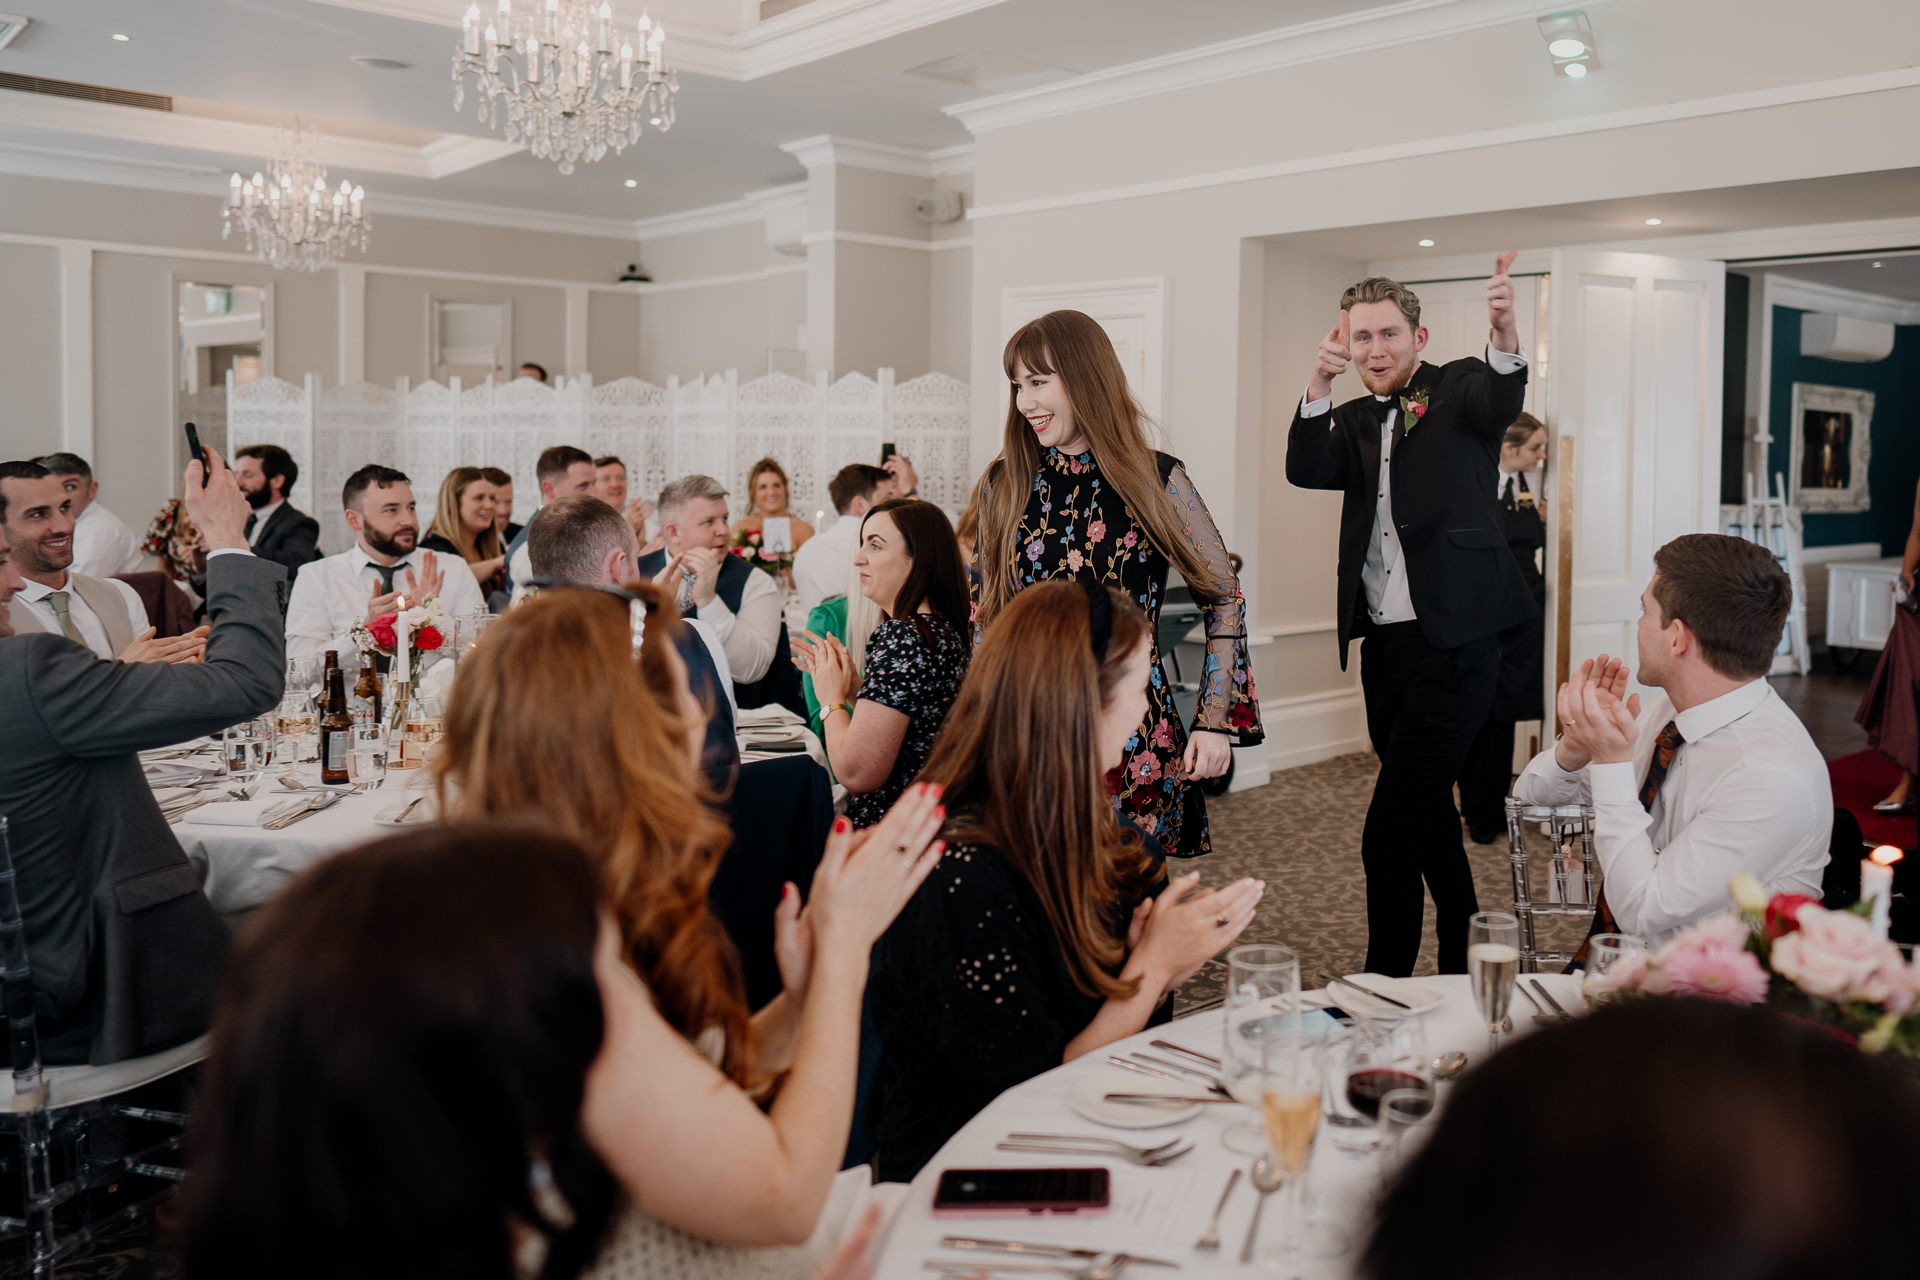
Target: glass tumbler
1263	1002
1607	951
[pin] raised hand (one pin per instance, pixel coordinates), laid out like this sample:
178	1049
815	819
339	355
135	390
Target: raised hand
1186	927
1607	723
1331	362
1506	332
638	509
865	878
217	508
428	583
704	564
828	662
381	602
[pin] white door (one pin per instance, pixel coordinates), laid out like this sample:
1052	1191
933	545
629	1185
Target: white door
1634	411
1454	313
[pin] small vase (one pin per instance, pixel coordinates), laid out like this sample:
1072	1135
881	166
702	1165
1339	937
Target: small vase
399	702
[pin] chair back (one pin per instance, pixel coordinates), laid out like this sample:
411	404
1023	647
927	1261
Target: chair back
16	988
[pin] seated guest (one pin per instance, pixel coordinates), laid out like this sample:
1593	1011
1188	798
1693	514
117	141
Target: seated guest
610	486
102	544
502	482
553	722
1713	777
560	470
767	489
741	604
277	530
1750	1147
368	579
910	569
531	370
1039	939
463	526
582	540
820	567
438	1024
104	614
123	945
848	617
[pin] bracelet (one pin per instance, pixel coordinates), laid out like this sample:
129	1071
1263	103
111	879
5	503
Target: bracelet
838	706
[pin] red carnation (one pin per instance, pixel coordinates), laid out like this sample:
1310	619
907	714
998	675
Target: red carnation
382	630
428	638
1783	914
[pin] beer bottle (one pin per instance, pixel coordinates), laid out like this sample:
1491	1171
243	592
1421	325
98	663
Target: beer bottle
336	732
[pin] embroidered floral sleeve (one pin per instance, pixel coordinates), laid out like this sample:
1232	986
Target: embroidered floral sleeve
1229	703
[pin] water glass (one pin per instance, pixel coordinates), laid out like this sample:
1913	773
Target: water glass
1401	1112
1493	964
247	748
367	766
468	630
1606	950
1263	1003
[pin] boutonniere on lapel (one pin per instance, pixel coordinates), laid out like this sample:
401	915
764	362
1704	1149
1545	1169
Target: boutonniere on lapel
1413	407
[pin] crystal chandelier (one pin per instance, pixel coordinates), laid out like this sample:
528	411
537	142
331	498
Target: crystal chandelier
290	218
579	87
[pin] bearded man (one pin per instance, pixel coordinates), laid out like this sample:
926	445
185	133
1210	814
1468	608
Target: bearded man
1426	583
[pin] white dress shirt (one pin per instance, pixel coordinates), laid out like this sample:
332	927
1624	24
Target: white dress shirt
103	545
1384	577
330	595
820	565
1747	791
91	629
749	637
260	519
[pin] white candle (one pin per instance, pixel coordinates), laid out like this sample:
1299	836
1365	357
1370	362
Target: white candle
1876	882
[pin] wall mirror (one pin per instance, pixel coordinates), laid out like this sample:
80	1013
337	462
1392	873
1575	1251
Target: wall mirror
472	341
222	329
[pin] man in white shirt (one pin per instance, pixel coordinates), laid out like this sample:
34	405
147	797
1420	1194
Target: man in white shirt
1714	776
102	543
104	614
560	470
820	565
368	579
741	604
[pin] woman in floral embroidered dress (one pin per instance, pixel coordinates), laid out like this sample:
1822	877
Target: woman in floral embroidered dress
1077	491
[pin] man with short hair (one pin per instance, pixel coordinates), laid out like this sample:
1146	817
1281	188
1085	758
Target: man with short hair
580	538
820	565
610	485
123	945
276	529
560	470
104	614
502	482
528	369
102	544
1425	580
1711	778
368	578
741	603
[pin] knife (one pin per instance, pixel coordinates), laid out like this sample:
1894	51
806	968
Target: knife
1042	1250
1162	1099
1195	1054
1334	977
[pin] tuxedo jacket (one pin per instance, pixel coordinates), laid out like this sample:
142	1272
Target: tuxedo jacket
291	538
1462	578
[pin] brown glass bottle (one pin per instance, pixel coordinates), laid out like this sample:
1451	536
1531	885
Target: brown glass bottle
367	697
336	732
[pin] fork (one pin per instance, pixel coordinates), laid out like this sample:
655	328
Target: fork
1211	1240
1130	1156
1102	1139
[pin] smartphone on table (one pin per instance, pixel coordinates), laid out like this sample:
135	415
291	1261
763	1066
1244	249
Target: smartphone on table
1002	1193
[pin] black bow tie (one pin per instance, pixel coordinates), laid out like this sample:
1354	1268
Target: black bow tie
1381	408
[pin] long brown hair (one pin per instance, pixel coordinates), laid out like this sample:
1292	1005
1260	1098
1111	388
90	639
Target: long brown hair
936	578
1017	758
446	517
761	468
552	719
1072	346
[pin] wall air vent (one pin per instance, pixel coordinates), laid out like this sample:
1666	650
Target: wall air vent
86	92
774	8
11	25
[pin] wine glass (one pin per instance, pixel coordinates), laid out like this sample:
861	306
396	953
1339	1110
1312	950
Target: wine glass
1493	963
1290	1085
424	724
1604	952
1382	1055
1263	1002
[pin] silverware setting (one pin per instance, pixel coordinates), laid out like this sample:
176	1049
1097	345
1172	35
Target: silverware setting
1206	1058
1211	1239
1548	997
1365	991
1542	1018
1093	1144
969	1243
1158	1074
1208	1076
1131	1157
306	810
1104	1266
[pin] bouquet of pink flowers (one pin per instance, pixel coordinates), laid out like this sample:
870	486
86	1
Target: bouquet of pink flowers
1829	967
749	545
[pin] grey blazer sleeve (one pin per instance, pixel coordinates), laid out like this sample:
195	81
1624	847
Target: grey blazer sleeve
94	708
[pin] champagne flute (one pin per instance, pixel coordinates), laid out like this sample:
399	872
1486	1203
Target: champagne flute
1290	1086
1263	1002
1493	964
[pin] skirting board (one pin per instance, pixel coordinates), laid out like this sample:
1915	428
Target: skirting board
1301	731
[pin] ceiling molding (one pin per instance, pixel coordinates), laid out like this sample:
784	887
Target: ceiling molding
1811	295
1637	117
1342	36
826	148
486	215
733	213
450	154
884	242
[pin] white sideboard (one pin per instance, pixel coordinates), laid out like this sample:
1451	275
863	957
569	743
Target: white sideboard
1860	602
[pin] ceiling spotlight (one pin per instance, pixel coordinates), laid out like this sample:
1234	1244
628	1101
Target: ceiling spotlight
633	182
380	64
1653	222
122	39
1876	264
1570	44
1426	244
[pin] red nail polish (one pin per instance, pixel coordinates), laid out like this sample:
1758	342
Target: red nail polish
839	826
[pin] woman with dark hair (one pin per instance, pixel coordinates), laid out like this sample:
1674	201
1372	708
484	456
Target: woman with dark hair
1078	492
909	566
465	525
1693	1137
1042	936
556	720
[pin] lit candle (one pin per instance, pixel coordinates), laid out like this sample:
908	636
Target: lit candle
470	26
606	18
1876	883
233	192
626	66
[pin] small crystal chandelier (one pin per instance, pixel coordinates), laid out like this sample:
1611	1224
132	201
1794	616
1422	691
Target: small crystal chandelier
579	87
291	220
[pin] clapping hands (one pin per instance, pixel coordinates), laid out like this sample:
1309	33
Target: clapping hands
1599	719
828	662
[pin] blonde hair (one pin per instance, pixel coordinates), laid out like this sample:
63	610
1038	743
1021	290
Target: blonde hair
446	517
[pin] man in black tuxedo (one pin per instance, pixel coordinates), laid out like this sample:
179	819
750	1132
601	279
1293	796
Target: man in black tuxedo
276	530
1425	580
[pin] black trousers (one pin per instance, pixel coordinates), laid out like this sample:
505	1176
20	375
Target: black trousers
1486	778
1424	708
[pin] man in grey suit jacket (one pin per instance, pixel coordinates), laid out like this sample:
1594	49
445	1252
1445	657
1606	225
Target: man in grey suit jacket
123	944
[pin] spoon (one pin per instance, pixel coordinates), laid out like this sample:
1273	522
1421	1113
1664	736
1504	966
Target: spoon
1266	1180
1449	1064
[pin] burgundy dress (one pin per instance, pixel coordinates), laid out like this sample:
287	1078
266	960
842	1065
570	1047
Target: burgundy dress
1887	711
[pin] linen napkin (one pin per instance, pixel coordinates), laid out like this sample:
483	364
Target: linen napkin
179	773
233	813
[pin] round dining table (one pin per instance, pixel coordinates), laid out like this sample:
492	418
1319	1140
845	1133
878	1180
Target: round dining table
1160	1213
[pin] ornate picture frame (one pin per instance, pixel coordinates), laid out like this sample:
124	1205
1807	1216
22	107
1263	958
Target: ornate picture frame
1830	429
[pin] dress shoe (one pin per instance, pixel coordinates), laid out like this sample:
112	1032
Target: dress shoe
1895	806
1486	837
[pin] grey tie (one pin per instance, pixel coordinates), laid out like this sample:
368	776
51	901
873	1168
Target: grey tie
58	599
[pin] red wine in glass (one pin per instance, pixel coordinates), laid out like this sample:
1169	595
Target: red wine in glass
1368	1085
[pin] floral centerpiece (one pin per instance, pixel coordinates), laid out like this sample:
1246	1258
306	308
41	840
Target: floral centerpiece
749	545
406	636
1833	968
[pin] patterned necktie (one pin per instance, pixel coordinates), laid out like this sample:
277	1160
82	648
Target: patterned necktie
58	601
1665	748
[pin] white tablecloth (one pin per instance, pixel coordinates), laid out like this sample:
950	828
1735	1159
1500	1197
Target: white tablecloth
245	866
1161	1212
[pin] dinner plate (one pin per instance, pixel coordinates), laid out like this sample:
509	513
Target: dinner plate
1417	998
1088	1097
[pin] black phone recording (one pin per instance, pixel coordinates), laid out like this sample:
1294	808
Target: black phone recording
199	454
988	1191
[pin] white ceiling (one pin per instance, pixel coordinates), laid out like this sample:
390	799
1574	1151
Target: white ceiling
267	59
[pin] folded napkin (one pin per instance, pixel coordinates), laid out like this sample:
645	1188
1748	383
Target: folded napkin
770	717
233	813
176	773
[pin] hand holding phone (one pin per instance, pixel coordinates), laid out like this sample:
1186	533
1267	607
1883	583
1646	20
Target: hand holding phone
199	454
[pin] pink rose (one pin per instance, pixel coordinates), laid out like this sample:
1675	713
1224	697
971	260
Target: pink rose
768	553
381	628
1833	955
1898	981
1716	970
